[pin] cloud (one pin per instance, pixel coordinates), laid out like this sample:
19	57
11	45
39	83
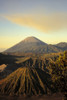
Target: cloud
44	23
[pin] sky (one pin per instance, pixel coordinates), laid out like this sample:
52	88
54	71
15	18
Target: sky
44	19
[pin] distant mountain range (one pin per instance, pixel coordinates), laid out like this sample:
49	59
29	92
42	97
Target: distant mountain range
34	45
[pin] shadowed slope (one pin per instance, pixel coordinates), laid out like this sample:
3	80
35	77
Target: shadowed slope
27	81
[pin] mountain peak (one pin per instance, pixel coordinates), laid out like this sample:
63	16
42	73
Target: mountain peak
34	45
31	39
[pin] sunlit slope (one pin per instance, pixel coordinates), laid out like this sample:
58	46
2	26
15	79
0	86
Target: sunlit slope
27	81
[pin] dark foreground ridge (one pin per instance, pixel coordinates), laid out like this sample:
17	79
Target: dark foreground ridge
28	81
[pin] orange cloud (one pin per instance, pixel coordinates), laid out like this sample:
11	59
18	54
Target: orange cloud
43	23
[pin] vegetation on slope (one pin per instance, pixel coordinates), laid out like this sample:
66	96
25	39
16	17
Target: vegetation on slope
58	71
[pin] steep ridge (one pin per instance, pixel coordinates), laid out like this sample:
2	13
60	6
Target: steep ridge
27	81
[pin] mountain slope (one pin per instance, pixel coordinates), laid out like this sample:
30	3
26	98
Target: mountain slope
27	81
62	46
29	44
34	45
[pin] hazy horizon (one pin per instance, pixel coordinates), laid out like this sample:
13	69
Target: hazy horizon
43	19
